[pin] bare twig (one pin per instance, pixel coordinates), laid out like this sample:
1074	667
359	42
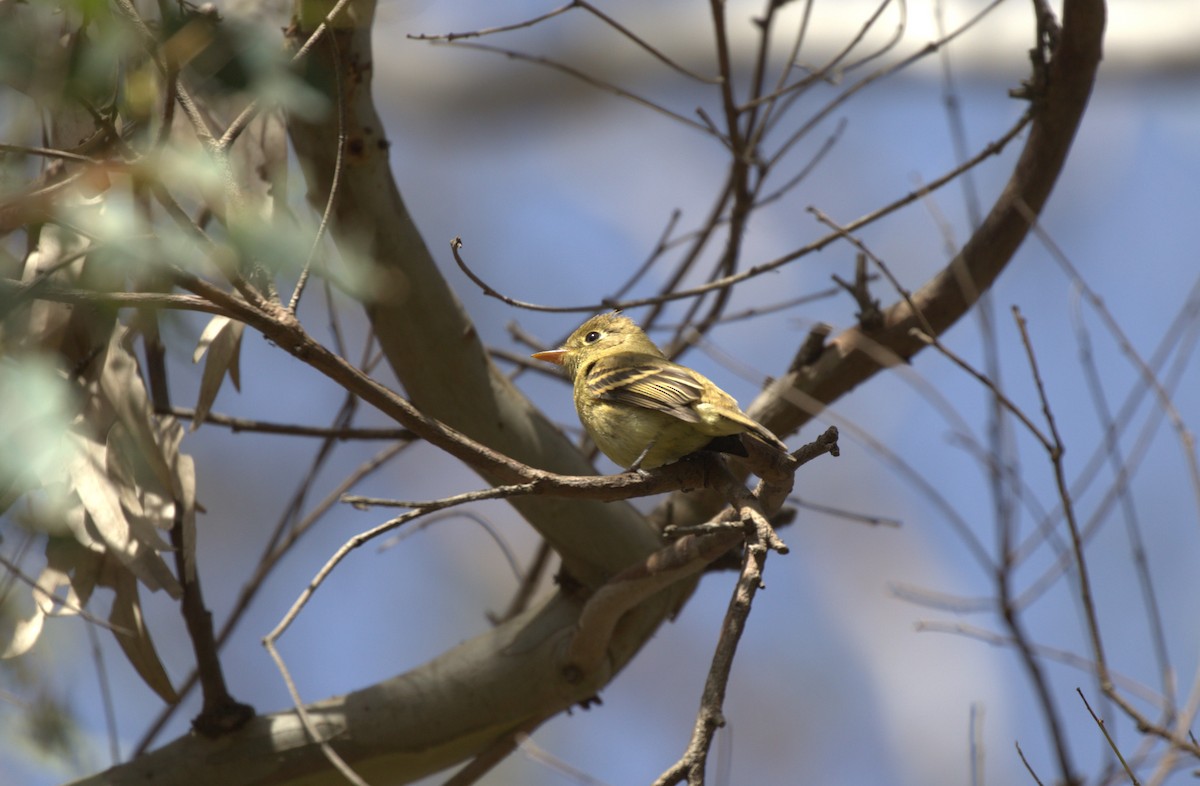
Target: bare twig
725	282
1066	657
646	46
240	122
711	717
1129	512
106	695
1184	720
505	550
326	749
292	429
954	116
589	79
49	152
338	164
451	37
119	299
278	545
925	51
816	158
905	469
1108	738
987	382
220	713
538	754
664	241
1055	451
490	756
1186	438
151	44
419	509
1028	766
1184	330
862	518
530	579
608	605
48	598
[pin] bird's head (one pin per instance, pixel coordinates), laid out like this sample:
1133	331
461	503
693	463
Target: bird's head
603	334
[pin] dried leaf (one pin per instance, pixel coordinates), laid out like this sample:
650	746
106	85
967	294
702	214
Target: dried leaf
47	602
81	564
109	522
146	507
170	436
77	522
135	640
222	340
99	498
260	165
122	386
209	335
46	595
186	469
47	322
25	635
235	356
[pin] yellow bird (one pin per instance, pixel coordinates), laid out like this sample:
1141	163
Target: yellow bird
642	410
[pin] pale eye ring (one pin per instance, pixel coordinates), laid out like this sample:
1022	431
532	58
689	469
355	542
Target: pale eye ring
592	337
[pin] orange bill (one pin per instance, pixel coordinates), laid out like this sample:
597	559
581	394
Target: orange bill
554	356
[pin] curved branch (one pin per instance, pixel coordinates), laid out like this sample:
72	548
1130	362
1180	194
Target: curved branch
1060	91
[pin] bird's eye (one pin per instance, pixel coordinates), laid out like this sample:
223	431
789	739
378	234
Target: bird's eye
592	337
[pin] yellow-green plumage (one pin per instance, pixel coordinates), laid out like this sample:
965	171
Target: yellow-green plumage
630	396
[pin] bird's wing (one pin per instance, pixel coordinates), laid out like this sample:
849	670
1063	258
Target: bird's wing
646	381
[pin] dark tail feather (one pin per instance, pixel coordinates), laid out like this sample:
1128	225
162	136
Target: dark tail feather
731	444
